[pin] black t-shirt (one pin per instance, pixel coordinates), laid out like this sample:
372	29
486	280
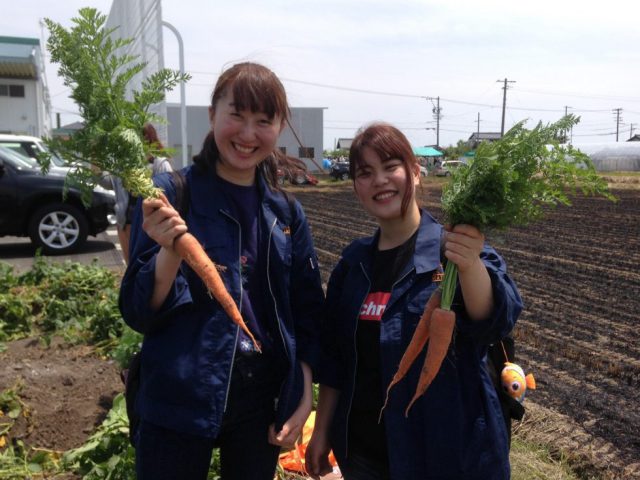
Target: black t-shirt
245	202
365	433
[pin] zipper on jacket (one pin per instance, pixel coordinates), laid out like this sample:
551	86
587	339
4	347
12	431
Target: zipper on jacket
275	306
235	343
355	370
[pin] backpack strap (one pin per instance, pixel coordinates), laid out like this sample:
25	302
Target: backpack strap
182	192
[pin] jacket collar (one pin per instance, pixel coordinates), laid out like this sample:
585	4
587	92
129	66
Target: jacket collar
426	257
208	199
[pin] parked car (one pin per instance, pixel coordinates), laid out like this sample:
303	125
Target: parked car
444	169
32	204
28	146
340	170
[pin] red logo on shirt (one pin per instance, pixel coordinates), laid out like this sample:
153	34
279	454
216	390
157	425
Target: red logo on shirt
374	305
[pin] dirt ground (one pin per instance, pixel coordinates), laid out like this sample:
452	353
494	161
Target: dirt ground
66	391
578	274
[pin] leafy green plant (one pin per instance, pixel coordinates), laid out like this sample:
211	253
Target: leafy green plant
98	76
107	454
79	302
509	182
125	346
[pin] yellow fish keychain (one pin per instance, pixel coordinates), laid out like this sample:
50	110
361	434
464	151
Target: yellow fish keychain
514	382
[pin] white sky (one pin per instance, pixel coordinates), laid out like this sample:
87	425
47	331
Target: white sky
582	54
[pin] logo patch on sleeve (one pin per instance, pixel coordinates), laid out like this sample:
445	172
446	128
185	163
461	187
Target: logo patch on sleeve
374	305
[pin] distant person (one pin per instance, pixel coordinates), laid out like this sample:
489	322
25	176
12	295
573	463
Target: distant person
203	384
375	296
124	202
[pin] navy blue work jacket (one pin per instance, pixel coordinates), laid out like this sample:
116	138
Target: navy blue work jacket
456	429
190	342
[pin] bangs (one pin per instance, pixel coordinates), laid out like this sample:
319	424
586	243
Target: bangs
260	93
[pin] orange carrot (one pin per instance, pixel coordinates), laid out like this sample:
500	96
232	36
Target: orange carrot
190	250
418	340
441	330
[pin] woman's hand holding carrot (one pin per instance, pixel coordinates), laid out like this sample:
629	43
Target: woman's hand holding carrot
161	222
463	244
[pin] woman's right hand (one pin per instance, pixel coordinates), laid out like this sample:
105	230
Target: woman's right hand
317	456
161	222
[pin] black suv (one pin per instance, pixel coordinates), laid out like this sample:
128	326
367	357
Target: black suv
340	170
31	204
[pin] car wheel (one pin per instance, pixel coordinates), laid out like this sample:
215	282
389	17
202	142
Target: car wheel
58	228
298	179
344	176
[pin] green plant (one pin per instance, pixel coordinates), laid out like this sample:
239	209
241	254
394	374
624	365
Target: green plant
508	183
110	140
107	454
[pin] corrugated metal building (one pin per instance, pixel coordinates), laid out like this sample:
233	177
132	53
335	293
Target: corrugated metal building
305	141
24	98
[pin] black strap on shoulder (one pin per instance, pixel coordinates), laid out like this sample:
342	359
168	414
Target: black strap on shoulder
182	192
291	201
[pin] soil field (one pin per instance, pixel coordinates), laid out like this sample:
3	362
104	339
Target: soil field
578	273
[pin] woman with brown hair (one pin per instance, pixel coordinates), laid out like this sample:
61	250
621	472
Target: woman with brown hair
375	297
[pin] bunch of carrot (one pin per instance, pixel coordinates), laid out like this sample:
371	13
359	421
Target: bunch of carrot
507	183
436	325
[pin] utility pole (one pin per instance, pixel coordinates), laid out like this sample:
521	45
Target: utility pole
617	112
478	129
631	131
436	114
564	134
504	102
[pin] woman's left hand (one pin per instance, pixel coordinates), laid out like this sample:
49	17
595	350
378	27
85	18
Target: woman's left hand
292	428
463	245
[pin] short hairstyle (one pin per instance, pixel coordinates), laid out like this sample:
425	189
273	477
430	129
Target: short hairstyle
389	143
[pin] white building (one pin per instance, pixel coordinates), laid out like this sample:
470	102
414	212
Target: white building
25	106
304	141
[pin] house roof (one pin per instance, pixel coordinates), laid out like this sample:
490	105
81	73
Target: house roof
635	138
426	152
479	136
344	143
17	57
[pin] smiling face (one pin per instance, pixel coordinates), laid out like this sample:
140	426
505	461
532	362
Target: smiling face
381	184
244	138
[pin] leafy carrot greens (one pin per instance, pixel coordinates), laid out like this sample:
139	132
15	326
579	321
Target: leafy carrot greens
509	182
